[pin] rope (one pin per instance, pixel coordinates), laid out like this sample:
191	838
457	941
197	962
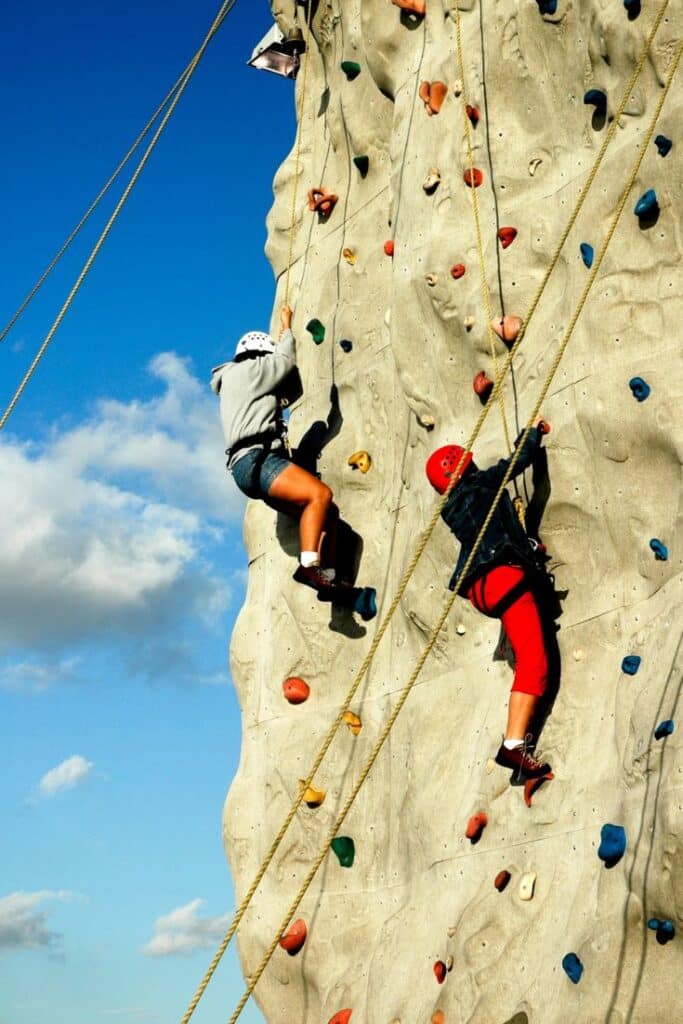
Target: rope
225	9
297	154
96	201
254	978
405	579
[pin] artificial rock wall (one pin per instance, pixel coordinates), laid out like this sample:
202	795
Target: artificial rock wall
418	890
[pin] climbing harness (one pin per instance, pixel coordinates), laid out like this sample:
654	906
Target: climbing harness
429	529
225	9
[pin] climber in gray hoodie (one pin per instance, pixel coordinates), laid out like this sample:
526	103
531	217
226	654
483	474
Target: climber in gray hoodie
254	388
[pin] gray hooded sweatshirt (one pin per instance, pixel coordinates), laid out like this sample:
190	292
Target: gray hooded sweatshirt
249	394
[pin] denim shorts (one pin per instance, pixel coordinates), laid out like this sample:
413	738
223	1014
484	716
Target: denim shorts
255	471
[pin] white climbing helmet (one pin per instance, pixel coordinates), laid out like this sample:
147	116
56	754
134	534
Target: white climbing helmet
254	341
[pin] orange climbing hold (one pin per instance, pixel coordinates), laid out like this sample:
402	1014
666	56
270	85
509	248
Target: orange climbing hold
475	826
473	177
507	328
432	95
473	114
439	1017
343	1017
312	797
531	785
389	247
458	271
483	386
440	971
294	937
507	236
296	691
413	6
353	722
360	460
321	201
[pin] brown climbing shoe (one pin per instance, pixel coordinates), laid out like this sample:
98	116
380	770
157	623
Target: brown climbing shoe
313	576
520	761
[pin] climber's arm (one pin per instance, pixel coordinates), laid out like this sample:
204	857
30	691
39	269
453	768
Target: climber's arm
525	458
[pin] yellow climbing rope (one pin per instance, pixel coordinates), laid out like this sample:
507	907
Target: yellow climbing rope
225	9
405	579
256	975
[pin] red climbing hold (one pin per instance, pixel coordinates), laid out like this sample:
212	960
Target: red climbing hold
440	971
296	691
458	271
482	385
432	95
501	880
475	826
531	785
507	236
389	247
414	7
507	328
439	1017
321	201
473	114
294	937
343	1017
473	177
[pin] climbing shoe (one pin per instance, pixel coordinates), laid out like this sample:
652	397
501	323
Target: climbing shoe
521	761
314	577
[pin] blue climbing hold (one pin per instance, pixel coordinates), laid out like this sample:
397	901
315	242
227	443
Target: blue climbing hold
547	6
587	254
633	8
665	929
612	844
630	664
663	144
572	967
664	728
661	550
653	924
365	603
345	345
647	204
598	99
640	388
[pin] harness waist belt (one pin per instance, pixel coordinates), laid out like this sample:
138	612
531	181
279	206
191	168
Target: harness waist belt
267	440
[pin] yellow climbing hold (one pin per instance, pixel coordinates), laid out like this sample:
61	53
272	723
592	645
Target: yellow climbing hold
359	460
312	796
353	722
349	255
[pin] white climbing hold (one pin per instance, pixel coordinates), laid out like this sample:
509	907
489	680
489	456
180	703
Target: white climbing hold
427	420
490	766
578	654
451	931
534	164
432	180
457	88
431	279
460	629
527	885
449	963
469	322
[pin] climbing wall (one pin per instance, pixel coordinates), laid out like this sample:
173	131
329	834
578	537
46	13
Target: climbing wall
406	924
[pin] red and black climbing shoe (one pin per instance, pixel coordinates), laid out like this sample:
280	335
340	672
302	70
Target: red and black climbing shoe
313	576
520	761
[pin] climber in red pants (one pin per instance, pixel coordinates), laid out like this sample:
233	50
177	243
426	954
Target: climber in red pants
502	581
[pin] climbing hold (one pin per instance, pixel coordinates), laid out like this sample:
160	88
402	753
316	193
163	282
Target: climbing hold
362	163
431	279
507	328
342	1017
612	844
572	967
630	664
532	785
587	254
632	8
438	1017
345	345
440	971
507	236
475	826
469	322
432	181
458	271
432	95
365	602
639	388
345	849
534	164
661	551
322	201
359	460
527	885
457	88
449	964
547	6
483	386
349	255
598	99
312	797
296	691
473	177
316	330
351	69
490	766
473	115
501	880
647	205
665	929
412	6
294	937
664	728
663	144
460	629
389	247
353	722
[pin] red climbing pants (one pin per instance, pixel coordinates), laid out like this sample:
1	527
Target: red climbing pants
521	622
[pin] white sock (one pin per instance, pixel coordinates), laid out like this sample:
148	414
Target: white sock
329	574
309	558
511	744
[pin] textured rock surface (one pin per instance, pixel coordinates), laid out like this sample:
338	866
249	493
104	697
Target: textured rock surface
418	890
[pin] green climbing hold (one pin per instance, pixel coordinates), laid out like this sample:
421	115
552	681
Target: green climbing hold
362	163
345	849
351	69
317	331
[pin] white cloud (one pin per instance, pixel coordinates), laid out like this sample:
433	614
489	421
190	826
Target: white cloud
108	528
69	773
183	931
23	925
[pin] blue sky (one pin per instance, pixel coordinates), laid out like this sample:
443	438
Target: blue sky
121	561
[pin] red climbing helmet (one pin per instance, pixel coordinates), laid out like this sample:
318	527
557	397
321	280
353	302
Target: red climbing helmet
442	463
